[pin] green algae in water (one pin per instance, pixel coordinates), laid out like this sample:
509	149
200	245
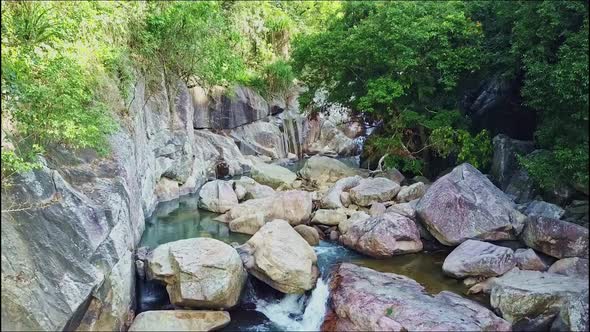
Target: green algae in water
182	219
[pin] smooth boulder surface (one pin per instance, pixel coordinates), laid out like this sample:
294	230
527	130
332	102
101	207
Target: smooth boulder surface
531	299
362	299
411	192
280	257
199	272
309	233
377	209
406	209
573	266
556	238
372	190
253	189
383	236
477	258
217	196
294	206
272	175
354	217
328	217
248	224
180	320
325	170
528	259
332	199
464	205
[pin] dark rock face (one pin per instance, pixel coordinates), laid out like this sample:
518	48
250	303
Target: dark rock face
556	238
577	212
365	300
504	162
542	209
464	204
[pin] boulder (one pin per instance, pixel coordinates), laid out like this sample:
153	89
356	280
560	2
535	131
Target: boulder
477	258
325	170
333	197
573	315
328	217
354	217
405	209
199	272
280	257
362	299
577	212
240	191
556	238
464	204
373	190
377	209
309	233
248	224
528	259
272	175
504	161
521	188
531	299
293	205
542	209
328	139
260	138
411	192
253	188
573	266
180	320
383	236
217	196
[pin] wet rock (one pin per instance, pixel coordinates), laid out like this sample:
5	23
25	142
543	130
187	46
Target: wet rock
180	320
309	233
333	199
383	236
280	257
373	190
555	238
477	258
272	175
293	206
531	299
325	170
328	217
354	217
504	161
528	259
199	272
362	299
542	209
411	192
217	196
464	204
377	209
573	266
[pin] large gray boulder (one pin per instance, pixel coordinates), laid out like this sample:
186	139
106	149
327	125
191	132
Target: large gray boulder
309	233
260	138
199	272
464	205
324	137
272	175
180	320
573	315
411	192
504	161
556	238
373	190
531	299
332	198
280	257
217	196
477	258
383	236
252	188
542	209
362	299
321	170
572	266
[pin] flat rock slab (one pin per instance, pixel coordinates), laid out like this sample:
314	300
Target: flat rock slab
373	190
464	205
362	299
180	320
477	258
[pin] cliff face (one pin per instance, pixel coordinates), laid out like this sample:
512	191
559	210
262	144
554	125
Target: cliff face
67	255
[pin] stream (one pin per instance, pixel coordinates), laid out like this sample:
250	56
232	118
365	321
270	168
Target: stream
262	308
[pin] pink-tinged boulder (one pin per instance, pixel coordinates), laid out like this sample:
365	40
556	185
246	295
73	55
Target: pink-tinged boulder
528	259
464	205
556	238
362	299
573	266
477	258
383	236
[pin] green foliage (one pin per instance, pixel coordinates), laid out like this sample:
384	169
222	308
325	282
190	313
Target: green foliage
275	79
403	62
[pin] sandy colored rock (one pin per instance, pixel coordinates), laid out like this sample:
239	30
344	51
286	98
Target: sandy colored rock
328	217
217	196
293	205
325	170
337	196
411	192
309	233
180	320
372	190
